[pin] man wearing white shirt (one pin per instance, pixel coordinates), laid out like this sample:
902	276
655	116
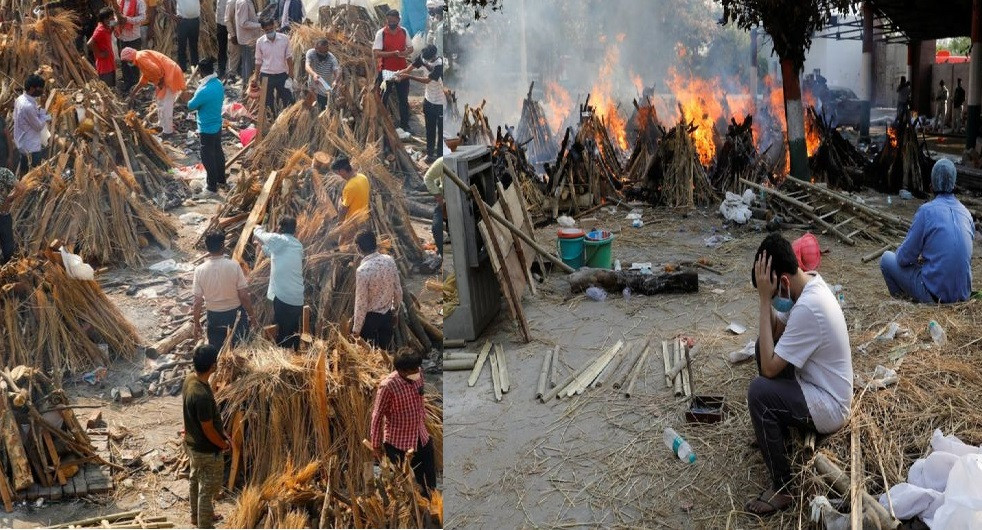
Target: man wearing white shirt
285	279
188	28
29	122
274	62
128	35
804	360
241	16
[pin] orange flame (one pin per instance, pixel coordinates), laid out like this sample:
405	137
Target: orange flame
602	100
638	84
700	103
812	139
892	136
559	104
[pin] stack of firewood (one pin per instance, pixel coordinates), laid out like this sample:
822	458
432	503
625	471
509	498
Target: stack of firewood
836	161
510	165
533	131
678	178
902	163
737	158
474	128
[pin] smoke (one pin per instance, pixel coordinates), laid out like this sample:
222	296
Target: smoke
607	48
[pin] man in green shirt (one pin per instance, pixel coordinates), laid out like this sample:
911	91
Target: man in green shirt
204	437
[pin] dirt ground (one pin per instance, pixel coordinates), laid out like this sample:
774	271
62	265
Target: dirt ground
598	460
152	422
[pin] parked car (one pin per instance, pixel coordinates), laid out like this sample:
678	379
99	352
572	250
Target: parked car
844	106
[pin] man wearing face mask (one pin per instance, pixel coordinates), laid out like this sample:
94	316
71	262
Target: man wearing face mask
378	293
29	122
101	46
274	62
323	72
399	420
390	50
804	361
434	98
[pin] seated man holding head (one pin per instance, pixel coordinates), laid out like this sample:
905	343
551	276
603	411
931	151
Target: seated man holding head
804	361
934	263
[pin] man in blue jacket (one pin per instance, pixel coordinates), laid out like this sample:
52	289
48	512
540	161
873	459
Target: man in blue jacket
208	101
934	263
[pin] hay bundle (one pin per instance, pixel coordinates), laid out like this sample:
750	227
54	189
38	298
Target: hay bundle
97	214
56	323
305	409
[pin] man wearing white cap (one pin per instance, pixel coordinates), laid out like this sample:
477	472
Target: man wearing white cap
934	263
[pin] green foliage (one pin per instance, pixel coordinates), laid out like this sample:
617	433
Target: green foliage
790	23
957	45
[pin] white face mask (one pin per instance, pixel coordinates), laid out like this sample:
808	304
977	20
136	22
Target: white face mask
413	377
271	35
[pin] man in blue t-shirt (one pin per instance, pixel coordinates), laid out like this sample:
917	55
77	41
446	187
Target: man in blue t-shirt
207	101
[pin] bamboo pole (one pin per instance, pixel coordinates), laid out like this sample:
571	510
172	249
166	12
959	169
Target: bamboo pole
569	380
683	363
98	519
543	375
668	362
457	365
837	479
495	376
856	479
638	368
612	367
592	371
677	358
554	369
502	368
472	380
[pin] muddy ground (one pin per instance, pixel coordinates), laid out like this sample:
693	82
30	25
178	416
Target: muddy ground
153	423
598	460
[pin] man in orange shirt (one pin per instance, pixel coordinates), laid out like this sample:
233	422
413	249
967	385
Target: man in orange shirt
159	70
356	192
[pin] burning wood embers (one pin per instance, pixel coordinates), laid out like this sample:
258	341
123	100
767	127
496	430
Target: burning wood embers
903	162
533	132
586	172
474	128
836	161
737	158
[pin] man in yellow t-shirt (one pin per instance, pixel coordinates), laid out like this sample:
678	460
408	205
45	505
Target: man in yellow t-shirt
354	196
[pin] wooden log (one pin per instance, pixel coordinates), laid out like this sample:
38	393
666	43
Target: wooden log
554	368
685	362
168	343
543	375
14	445
677	358
255	216
511	227
237	440
502	368
638	368
837	479
593	370
461	356
261	126
6	492
457	365
877	253
856	479
613	366
481	358
648	284
434	332
235	158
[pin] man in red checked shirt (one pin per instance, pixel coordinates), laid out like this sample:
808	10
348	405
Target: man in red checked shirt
399	420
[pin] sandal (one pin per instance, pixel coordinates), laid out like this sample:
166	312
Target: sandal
774	508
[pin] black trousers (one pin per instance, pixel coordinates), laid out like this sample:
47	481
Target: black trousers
131	74
213	158
277	84
437	228
30	161
321	102
221	34
433	116
109	78
377	329
401	89
8	245
775	406
423	464
220	322
287	319
188	30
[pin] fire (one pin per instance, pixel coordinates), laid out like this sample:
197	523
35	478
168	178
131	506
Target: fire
892	136
699	100
601	98
812	139
559	103
638	84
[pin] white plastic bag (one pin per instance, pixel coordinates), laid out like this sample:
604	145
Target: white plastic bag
932	472
951	444
912	501
734	208
75	267
962	508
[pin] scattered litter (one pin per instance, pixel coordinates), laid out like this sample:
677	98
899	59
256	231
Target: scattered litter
736	328
716	241
627	293
165	266
742	355
148	292
596	294
890	332
192	218
634	214
717	291
75	267
39	503
247	135
641	266
95	376
882	378
637	223
906	195
566	221
736	208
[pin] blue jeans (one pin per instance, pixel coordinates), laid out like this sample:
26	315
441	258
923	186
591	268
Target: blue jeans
904	281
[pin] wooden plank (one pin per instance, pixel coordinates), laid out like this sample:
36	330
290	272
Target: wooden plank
528	222
255	216
512	262
6	493
55	459
261	127
512	211
508	289
14	445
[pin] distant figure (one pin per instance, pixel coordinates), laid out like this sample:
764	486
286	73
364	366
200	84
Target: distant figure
378	293
274	62
289	12
903	98
159	70
356	193
285	279
434	98
243	26
188	29
222	37
29	122
208	101
128	35
933	265
941	115
101	46
957	106
323	71
392	48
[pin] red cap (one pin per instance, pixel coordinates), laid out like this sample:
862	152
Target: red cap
807	251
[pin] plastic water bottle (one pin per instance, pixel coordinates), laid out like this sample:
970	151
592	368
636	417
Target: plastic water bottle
937	333
627	293
889	200
842	299
596	294
678	446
